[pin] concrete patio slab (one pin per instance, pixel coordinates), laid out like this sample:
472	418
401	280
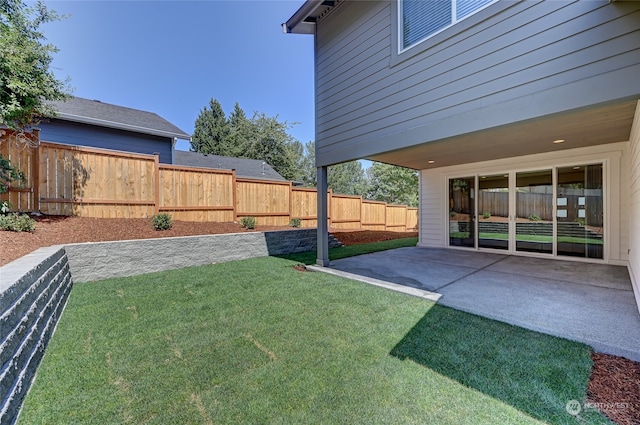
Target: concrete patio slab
589	303
419	268
566	271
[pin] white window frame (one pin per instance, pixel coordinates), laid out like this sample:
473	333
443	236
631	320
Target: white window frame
454	21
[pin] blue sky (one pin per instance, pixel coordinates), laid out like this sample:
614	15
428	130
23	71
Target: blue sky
172	57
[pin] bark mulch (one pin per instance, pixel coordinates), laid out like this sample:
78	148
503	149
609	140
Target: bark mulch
614	386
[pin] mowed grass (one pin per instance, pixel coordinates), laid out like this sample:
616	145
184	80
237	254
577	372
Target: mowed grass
259	342
351	250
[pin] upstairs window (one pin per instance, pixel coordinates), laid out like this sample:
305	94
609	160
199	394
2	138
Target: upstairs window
421	19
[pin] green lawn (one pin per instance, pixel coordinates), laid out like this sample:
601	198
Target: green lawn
530	238
257	341
349	251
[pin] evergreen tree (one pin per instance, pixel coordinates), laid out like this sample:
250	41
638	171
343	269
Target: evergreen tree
261	137
211	132
240	132
393	184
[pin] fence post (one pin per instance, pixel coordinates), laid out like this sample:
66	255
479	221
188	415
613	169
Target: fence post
361	211
35	183
330	206
290	201
385	217
360	218
156	157
406	211
234	194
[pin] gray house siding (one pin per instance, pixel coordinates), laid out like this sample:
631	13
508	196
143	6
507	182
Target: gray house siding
511	62
107	138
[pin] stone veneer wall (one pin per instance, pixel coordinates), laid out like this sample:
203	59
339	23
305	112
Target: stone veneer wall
34	288
103	260
33	292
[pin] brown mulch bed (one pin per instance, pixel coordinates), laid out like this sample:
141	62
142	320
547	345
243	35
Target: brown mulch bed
614	386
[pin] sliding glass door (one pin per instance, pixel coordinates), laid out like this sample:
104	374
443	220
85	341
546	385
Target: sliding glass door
493	211
579	204
554	211
534	211
462	211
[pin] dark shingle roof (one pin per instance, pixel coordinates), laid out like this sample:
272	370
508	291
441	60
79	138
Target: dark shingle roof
94	112
249	168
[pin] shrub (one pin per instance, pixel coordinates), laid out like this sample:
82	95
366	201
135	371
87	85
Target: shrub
452	213
17	223
248	222
534	217
295	222
162	221
486	214
5	207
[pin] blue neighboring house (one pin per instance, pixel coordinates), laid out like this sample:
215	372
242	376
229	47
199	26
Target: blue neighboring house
86	122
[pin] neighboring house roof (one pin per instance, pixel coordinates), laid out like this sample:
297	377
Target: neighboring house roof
249	168
94	112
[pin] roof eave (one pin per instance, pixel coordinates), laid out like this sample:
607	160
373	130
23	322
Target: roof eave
298	23
120	126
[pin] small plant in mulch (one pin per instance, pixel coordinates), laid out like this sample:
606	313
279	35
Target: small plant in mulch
295	222
486	215
534	217
248	222
301	268
162	221
5	207
15	222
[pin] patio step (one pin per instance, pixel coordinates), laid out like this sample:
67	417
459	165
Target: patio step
334	242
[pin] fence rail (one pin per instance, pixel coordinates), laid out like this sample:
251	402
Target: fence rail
89	182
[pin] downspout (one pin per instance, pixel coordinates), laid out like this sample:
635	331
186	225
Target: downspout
173	149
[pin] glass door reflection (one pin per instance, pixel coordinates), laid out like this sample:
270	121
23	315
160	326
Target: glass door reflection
493	211
579	211
462	212
534	211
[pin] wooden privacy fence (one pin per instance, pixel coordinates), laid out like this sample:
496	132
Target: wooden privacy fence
90	182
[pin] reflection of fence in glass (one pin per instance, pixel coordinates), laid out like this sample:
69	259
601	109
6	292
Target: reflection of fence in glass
540	204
